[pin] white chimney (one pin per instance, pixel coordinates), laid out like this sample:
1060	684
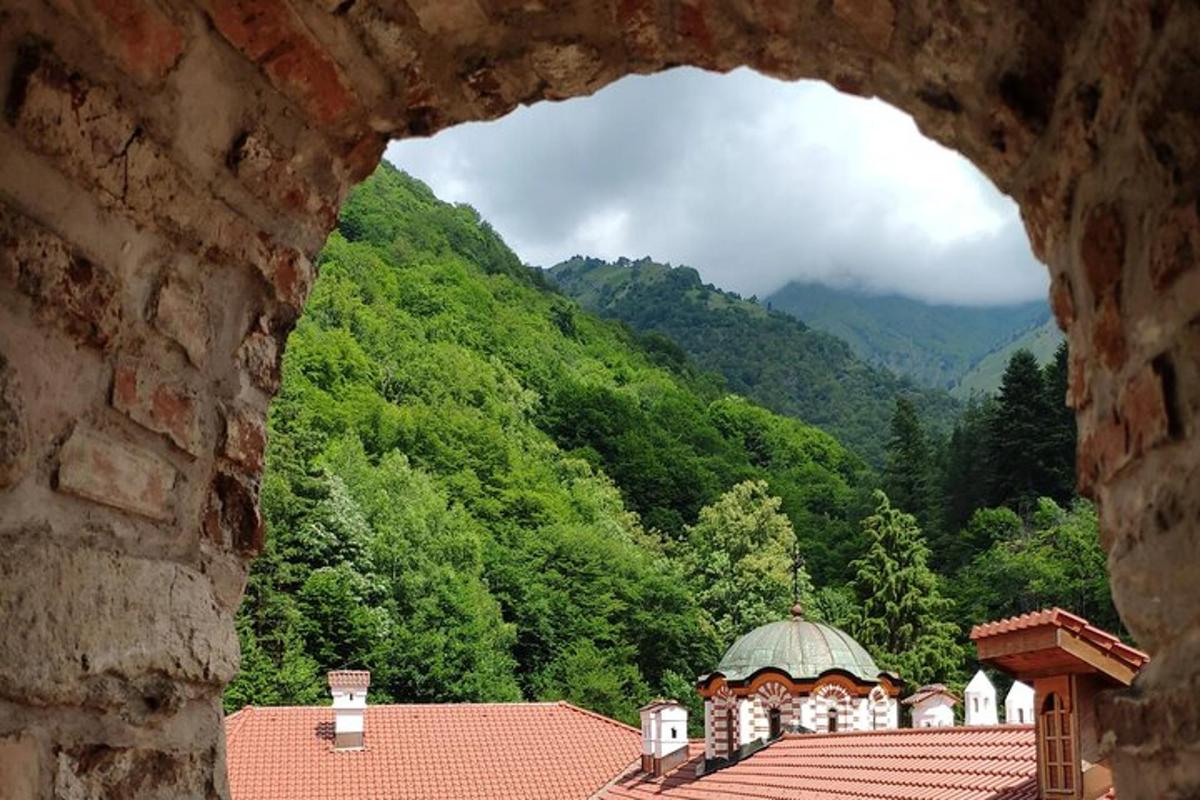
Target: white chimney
1018	704
349	690
932	706
980	700
664	736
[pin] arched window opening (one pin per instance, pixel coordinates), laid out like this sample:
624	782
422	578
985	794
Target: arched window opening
833	720
730	731
774	723
1057	746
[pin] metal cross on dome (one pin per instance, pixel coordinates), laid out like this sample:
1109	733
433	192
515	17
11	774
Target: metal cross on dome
797	566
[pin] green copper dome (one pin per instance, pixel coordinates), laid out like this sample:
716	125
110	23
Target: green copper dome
798	647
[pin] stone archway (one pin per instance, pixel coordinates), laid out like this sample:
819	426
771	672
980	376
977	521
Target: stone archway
169	167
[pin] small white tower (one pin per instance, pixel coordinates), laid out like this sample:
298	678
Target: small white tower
664	736
980	700
932	706
349	690
1018	704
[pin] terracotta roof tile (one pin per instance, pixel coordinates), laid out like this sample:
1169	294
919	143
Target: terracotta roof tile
349	679
926	692
1058	618
531	751
989	763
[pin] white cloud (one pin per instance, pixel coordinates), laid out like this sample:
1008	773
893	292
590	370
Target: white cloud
752	181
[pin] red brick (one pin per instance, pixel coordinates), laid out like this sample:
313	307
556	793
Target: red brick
103	470
1102	251
245	437
1062	301
151	399
1143	406
1101	452
136	33
270	34
179	313
1108	334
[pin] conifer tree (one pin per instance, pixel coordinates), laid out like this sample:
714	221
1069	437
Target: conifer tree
908	469
1060	444
1020	435
904	619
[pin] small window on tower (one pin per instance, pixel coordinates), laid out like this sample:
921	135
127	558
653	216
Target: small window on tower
1021	715
833	720
975	703
776	723
673	734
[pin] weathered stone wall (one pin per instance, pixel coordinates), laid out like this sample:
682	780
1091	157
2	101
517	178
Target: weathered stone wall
168	169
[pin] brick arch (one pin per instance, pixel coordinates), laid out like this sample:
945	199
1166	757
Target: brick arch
168	168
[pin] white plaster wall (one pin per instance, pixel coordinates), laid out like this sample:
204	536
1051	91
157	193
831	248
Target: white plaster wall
935	713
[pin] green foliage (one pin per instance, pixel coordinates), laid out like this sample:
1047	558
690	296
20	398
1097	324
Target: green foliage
903	618
1054	559
479	491
908	470
935	345
740	557
767	356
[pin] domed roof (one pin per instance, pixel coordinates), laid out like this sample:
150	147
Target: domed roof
798	647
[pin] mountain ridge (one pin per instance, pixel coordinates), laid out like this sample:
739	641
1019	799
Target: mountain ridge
813	376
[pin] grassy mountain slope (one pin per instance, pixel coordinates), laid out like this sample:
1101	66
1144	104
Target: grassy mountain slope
935	345
480	491
984	377
765	355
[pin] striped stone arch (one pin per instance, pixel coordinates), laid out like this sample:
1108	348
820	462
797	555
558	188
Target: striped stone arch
772	695
832	697
725	724
879	705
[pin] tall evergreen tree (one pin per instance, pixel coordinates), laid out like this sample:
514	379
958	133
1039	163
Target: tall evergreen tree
909	464
1020	437
1060	446
904	618
967	474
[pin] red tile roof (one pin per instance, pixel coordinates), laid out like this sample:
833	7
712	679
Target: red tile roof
531	751
925	692
1058	618
980	763
349	679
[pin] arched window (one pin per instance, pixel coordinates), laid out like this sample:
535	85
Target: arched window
1058	746
774	723
833	720
730	731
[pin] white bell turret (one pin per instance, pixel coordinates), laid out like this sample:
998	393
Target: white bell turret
980	700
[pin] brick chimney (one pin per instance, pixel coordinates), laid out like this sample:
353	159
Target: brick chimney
1068	662
664	736
349	690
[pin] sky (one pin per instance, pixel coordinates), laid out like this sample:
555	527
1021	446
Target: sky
752	181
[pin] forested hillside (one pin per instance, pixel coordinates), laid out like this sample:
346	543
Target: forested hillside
767	356
985	376
935	345
479	491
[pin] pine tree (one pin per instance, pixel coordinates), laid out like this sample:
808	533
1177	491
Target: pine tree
904	619
1060	446
1020	437
908	469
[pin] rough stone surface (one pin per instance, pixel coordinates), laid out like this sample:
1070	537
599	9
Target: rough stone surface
219	136
98	468
181	315
154	399
20	773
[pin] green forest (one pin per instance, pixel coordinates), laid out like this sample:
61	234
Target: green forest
767	356
480	491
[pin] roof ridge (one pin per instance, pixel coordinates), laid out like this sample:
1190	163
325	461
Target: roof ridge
599	716
235	721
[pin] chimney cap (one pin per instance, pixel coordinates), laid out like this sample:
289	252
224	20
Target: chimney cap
349	679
